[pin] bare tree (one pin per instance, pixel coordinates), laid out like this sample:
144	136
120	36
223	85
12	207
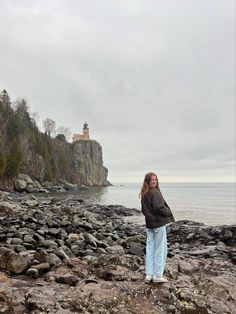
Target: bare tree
49	126
35	117
65	131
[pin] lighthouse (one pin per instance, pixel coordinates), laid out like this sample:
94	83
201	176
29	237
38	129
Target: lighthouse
86	132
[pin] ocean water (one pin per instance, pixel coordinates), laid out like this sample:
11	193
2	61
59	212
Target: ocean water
211	203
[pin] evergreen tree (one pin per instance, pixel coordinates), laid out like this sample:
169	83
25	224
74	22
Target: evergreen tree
13	160
2	164
5	99
61	137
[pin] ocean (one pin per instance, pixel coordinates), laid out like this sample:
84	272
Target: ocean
211	203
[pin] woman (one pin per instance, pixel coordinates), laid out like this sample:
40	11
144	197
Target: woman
157	215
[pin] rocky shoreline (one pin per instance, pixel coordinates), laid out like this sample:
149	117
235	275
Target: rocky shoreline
68	256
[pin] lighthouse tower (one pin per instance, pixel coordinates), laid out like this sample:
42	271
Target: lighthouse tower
86	132
84	136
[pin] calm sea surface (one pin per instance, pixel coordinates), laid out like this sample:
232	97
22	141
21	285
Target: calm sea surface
211	203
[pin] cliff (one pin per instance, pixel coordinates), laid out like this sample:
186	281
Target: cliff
80	162
24	149
88	163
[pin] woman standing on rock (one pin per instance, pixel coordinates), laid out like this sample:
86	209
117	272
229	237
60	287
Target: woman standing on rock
157	215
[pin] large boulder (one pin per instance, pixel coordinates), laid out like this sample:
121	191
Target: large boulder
25	177
48	185
12	261
9	208
69	186
20	185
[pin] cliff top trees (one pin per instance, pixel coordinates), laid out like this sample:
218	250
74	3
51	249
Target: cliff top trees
62	130
24	148
49	126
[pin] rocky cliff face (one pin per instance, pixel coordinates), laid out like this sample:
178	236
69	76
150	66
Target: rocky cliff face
88	163
26	150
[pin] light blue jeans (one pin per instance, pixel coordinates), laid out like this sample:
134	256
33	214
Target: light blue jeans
156	251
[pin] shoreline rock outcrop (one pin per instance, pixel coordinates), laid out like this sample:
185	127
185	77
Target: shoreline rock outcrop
88	163
89	260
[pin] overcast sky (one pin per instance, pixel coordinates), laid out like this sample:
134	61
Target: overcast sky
155	80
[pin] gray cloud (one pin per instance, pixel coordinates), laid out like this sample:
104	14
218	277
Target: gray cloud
155	80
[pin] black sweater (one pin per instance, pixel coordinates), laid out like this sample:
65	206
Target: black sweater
155	209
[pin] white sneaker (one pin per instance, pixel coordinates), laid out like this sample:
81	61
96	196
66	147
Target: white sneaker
148	279
157	279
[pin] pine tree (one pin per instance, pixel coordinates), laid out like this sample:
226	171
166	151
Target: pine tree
13	160
2	164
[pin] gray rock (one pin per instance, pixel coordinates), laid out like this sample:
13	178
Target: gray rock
188	268
77	250
53	260
20	185
62	254
115	249
73	238
31	201
37	185
7	208
25	177
17	241
136	249
19	248
83	187
30	188
48	244
48	185
69	186
32	272
89	238
54	231
39	237
29	239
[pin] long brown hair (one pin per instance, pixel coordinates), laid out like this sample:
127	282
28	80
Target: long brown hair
145	188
